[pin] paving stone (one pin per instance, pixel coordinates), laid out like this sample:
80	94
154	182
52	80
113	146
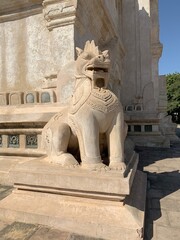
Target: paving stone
5	191
3	225
148	234
159	216
18	231
168	162
152	169
166	233
80	237
2	189
170	204
165	203
166	183
173	195
45	233
155	193
174	219
155	204
40	234
163	196
152	177
168	170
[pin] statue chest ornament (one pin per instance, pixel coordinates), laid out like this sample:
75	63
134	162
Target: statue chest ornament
102	100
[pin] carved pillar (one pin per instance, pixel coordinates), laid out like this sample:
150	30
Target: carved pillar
145	55
60	16
156	49
58	13
131	35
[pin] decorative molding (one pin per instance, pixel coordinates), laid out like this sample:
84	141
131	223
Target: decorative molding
112	26
31	141
59	13
13	141
17	9
156	50
15	98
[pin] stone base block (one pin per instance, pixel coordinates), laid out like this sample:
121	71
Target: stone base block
39	175
100	218
7	163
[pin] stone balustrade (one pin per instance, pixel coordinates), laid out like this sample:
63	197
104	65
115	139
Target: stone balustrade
28	97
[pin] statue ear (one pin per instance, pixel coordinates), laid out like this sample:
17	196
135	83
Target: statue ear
78	51
105	53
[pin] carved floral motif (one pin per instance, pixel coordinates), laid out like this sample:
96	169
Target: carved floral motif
13	141
31	141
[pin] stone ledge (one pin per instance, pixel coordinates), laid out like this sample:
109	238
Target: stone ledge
15	9
23	113
59	13
39	175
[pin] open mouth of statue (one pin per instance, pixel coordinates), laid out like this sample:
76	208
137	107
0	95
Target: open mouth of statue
97	69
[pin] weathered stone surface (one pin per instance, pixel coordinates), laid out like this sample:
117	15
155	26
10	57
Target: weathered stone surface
80	237
46	233
166	233
38	175
5	191
174	217
3	225
159	216
166	203
163	195
6	164
17	231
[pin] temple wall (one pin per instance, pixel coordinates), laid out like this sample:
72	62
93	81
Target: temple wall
29	52
131	60
156	50
138	58
25	56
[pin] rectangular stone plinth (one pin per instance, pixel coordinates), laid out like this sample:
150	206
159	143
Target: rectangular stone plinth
39	175
100	218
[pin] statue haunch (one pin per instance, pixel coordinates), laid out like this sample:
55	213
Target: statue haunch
93	110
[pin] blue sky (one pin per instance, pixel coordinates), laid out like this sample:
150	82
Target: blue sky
169	19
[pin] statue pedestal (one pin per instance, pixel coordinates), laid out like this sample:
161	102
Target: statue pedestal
97	204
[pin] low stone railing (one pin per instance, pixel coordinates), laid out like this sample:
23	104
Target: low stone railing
28	97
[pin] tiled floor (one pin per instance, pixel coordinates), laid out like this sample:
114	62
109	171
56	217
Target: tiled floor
162	220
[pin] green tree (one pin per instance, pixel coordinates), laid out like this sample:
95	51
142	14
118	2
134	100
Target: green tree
173	93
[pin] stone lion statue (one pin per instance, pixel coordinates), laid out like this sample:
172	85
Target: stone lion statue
93	110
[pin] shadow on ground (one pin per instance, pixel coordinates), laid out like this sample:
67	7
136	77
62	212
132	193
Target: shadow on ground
160	187
162	167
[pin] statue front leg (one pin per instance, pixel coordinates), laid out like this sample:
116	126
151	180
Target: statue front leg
88	138
60	140
116	137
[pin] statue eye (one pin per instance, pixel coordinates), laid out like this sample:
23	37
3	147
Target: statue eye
86	56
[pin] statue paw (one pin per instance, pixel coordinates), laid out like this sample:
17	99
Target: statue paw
95	167
120	166
66	160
